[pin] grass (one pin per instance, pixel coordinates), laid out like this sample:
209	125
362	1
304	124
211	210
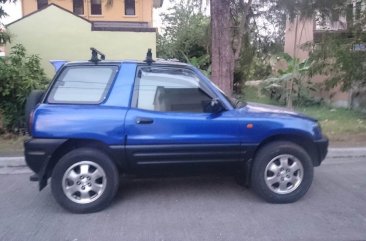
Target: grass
344	127
11	145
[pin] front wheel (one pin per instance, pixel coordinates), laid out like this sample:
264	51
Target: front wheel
282	172
84	180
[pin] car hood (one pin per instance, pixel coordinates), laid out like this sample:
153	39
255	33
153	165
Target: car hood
270	109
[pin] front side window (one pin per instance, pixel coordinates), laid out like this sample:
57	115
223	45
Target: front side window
78	7
96	7
83	84
169	90
42	4
130	8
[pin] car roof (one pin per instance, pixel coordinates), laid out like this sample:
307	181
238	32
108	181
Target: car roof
159	61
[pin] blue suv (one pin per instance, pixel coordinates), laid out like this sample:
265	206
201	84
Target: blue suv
99	119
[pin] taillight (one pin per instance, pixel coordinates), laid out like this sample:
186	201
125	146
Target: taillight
30	122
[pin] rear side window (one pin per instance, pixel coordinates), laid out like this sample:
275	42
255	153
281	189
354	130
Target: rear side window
83	85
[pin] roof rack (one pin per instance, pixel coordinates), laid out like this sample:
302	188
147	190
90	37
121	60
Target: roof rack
94	57
149	59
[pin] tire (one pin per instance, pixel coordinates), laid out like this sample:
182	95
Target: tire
276	178
33	99
84	180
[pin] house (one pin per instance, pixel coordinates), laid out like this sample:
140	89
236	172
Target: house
138	11
301	31
66	29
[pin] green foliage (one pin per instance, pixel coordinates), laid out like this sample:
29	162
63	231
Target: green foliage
292	83
19	74
334	58
186	35
307	9
4	36
253	64
201	63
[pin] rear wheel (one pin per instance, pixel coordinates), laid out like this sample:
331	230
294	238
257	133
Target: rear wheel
84	180
282	172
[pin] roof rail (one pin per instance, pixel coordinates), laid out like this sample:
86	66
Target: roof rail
149	59
94	57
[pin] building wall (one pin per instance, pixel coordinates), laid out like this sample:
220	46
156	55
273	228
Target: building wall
298	32
56	34
116	12
2	51
305	33
335	97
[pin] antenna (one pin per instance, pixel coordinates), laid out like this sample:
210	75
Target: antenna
149	60
94	57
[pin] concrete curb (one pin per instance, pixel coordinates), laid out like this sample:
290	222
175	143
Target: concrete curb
346	152
12	162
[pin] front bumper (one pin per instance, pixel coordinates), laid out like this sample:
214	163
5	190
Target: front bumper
322	148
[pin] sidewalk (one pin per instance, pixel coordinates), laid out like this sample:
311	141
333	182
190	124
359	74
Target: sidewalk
347	152
356	152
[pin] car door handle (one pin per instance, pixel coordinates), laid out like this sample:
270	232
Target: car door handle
144	121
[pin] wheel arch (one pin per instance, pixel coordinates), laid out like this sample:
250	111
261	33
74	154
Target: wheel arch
116	154
303	141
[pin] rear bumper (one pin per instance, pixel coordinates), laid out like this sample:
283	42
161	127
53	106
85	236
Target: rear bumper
37	152
322	148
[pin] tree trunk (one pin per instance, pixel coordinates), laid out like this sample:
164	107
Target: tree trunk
290	86
222	54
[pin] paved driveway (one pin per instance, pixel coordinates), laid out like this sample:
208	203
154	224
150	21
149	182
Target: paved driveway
198	208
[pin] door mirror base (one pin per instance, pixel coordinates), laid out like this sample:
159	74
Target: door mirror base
214	106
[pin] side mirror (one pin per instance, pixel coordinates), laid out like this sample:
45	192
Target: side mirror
214	106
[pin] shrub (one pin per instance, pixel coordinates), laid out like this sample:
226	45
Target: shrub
19	74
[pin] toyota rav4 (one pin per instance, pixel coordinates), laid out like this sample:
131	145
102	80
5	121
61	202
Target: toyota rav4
99	119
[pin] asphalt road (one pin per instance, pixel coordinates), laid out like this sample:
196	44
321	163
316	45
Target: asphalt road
198	208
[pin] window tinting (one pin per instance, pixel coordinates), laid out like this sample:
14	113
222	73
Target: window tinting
88	85
42	4
78	7
130	7
96	7
169	90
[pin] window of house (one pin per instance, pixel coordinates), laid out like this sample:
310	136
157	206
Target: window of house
42	4
96	7
170	90
130	8
78	7
84	85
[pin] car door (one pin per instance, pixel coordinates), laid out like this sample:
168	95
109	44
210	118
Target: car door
169	121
